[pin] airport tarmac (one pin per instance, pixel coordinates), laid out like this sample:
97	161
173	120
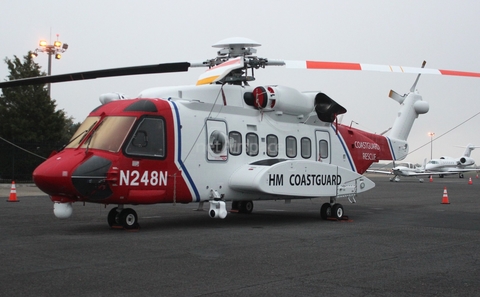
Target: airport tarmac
399	240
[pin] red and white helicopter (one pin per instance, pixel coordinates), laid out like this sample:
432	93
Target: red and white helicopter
220	140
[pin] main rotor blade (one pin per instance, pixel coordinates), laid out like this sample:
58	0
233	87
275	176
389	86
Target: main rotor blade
134	70
324	65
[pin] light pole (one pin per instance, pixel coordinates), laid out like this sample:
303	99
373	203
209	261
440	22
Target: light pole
56	49
431	134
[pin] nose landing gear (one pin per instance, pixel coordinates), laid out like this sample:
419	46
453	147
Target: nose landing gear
125	218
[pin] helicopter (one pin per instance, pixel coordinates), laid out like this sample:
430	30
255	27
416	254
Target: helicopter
221	140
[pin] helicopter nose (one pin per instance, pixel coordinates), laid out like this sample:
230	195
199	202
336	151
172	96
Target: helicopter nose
52	176
74	176
89	179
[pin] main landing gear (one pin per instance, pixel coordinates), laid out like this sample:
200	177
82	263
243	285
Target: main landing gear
334	211
242	206
120	217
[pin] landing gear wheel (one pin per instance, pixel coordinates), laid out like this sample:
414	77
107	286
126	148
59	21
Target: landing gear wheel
128	219
246	206
337	211
325	211
235	205
112	218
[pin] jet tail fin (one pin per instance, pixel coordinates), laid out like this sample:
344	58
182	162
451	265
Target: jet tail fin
468	150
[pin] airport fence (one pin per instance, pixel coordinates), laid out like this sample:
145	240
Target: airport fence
18	160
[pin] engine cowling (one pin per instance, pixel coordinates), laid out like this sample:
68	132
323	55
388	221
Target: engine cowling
466	161
290	101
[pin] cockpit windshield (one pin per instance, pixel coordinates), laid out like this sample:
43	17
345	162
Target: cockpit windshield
82	131
109	134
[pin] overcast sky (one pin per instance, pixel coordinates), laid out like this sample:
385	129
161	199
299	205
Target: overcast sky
109	34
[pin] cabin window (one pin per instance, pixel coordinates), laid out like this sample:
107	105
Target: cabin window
148	139
272	145
252	144
235	143
306	147
323	145
217	141
291	146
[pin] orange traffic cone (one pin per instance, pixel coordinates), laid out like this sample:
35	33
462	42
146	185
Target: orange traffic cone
470	181
13	193
476	176
445	196
431	178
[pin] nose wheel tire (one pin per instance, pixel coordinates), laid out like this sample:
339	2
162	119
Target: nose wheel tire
113	217
126	218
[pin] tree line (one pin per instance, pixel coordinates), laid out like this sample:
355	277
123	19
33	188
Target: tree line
31	126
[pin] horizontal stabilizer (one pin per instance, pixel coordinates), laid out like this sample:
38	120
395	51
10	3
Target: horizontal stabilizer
397	97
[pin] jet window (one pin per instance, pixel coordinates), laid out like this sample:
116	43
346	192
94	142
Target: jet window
272	145
306	147
252	144
235	143
291	146
148	139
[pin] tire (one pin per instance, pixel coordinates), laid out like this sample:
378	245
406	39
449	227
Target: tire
128	219
337	211
112	217
325	211
235	205
246	206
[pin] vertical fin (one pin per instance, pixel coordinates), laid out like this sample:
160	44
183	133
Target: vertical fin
412	106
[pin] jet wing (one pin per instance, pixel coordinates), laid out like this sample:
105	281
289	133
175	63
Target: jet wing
459	170
379	171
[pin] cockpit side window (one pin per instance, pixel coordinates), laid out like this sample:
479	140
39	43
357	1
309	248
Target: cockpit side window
148	139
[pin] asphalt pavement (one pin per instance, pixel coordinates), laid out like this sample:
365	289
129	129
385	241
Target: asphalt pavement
399	240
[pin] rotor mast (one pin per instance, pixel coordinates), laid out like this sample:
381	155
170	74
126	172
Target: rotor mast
235	47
